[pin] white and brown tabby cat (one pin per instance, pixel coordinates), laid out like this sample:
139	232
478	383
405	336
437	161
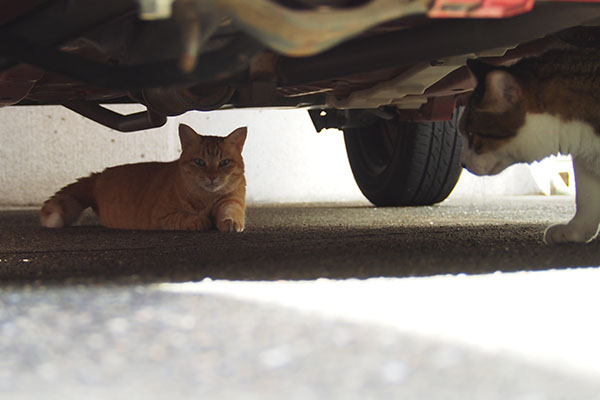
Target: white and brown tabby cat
203	189
535	108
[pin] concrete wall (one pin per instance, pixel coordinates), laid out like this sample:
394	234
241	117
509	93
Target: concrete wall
44	148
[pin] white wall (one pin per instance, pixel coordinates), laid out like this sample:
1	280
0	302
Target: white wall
44	148
521	179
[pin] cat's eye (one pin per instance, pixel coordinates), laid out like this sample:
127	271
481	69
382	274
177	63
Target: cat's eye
200	162
224	163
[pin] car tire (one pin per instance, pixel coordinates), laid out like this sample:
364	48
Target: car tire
398	163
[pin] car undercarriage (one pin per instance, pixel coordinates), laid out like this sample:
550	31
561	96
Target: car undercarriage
390	73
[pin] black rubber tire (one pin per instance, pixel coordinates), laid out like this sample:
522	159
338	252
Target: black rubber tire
397	163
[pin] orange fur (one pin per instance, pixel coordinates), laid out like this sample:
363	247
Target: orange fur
204	189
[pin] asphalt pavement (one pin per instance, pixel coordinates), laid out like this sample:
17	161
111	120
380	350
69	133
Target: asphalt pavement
304	241
334	301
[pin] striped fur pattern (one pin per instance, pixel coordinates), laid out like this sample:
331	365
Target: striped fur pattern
204	189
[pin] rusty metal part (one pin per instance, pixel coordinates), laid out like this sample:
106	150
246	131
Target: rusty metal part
16	83
54	89
173	101
435	109
62	20
219	66
412	81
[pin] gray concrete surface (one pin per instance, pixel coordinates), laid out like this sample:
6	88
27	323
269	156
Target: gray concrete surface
88	312
143	343
301	242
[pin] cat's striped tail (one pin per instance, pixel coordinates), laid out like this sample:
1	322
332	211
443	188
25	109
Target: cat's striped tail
65	207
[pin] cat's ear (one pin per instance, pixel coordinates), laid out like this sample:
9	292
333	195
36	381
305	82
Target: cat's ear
502	92
187	136
479	68
238	138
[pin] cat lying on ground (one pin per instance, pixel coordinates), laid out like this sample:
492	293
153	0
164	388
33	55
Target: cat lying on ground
535	108
203	189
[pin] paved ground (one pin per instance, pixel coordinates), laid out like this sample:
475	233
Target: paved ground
300	242
92	313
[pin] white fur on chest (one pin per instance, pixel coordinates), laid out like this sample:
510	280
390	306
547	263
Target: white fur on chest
544	134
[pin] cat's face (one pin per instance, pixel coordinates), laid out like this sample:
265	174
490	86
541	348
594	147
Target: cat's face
492	123
210	163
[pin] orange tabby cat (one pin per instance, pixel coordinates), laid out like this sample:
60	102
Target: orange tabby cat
204	188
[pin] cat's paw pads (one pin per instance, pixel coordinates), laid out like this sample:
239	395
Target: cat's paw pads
230	225
568	233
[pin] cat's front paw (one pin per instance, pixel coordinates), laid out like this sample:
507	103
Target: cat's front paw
230	225
569	233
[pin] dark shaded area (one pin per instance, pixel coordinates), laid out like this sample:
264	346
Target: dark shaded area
297	243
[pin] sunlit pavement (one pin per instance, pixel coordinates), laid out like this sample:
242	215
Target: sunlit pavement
502	335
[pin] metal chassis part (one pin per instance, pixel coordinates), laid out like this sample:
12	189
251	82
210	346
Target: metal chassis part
122	123
434	41
209	69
